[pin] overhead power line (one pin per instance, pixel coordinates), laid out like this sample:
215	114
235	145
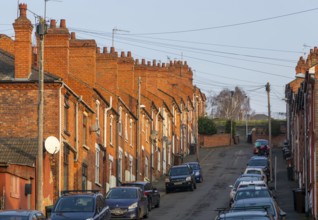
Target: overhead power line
230	25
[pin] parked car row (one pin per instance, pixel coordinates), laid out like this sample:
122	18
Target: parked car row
250	195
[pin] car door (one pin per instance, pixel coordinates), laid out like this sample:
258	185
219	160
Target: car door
102	211
155	194
143	201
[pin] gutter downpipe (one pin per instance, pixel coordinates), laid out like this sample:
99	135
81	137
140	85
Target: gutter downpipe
117	146
60	138
105	119
306	163
76	127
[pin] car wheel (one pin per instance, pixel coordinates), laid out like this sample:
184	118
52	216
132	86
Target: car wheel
195	185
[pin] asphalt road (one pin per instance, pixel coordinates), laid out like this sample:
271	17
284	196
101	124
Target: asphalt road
221	167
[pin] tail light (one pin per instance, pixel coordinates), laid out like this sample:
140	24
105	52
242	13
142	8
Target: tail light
146	193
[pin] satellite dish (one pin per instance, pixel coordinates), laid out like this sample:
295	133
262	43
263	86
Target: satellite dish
52	145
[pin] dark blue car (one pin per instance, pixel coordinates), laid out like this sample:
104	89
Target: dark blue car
127	203
197	170
80	205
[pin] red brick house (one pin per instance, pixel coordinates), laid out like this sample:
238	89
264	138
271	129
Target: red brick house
111	126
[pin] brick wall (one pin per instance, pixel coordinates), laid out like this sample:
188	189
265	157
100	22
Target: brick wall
214	140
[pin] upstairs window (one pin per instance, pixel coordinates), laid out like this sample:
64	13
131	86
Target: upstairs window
66	114
85	116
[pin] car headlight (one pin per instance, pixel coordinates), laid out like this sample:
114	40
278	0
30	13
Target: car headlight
197	173
133	206
167	180
188	178
89	219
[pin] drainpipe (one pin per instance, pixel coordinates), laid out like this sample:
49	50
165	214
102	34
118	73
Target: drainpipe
60	138
105	119
79	99
117	147
306	163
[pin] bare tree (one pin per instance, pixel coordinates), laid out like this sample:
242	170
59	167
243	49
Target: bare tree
230	104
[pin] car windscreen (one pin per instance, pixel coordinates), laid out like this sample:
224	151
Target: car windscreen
257	162
133	184
252	193
261	143
122	193
255	206
179	171
194	166
75	204
254	171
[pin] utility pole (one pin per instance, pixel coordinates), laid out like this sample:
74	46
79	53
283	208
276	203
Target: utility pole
41	31
269	130
232	93
138	131
113	34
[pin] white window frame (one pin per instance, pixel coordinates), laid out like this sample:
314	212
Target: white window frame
97	164
111	119
126	127
120	123
130	132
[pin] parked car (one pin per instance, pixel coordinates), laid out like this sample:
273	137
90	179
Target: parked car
245	215
256	170
21	215
180	177
260	203
197	170
260	162
127	203
252	192
261	147
238	181
152	193
80	205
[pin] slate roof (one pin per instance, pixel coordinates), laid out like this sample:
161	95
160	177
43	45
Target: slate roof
21	151
7	69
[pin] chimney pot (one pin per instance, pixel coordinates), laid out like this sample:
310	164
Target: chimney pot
149	63
98	50
143	62
53	23
73	35
129	54
104	49
163	65
112	49
122	54
137	61
63	23
154	63
23	8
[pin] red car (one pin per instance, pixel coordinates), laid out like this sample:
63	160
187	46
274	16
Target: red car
261	147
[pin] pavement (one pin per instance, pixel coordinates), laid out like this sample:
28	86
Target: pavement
284	187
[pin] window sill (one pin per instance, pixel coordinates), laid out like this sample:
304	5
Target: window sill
86	147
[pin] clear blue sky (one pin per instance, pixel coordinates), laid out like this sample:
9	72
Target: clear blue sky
227	43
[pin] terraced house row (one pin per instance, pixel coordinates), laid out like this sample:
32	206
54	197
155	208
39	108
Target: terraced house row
116	119
302	118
